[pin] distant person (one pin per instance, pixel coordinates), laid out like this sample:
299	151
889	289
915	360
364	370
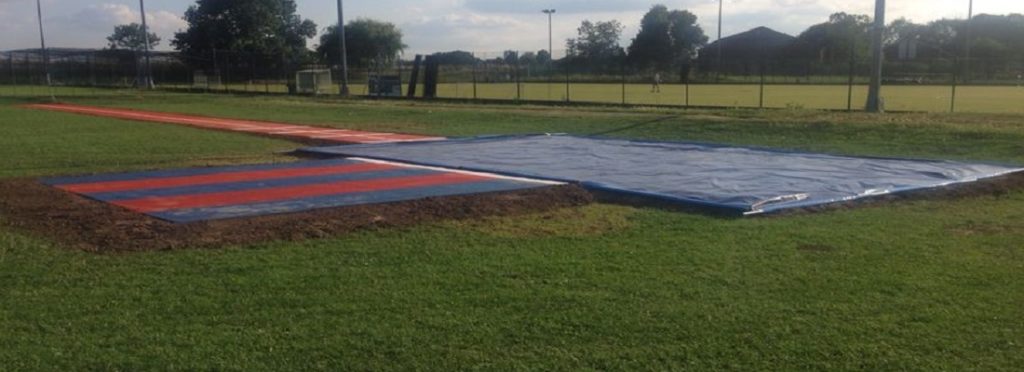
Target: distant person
1020	79
656	84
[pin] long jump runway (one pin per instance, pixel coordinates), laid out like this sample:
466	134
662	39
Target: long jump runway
279	130
199	194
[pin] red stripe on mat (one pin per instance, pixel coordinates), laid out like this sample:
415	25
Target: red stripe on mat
157	204
235	125
207	179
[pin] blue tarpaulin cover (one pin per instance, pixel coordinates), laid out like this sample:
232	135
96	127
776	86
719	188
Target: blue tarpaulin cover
748	180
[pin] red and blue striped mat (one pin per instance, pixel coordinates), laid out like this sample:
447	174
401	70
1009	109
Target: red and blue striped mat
198	194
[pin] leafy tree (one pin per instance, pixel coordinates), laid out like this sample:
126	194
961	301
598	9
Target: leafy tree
597	44
832	41
245	32
130	37
543	56
997	45
528	58
510	57
666	39
367	41
456	58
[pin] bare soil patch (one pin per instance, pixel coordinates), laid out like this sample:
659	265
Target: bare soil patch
69	219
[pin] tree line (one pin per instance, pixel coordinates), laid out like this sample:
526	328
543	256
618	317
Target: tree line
271	35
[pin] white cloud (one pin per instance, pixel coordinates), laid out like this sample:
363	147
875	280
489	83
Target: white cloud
465	31
480	25
103	17
97	17
165	23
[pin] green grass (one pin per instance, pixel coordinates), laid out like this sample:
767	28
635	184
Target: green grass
991	137
989	99
927	98
923	285
37	143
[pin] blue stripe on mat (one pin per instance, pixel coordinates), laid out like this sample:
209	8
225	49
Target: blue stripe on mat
339	200
262	184
57	181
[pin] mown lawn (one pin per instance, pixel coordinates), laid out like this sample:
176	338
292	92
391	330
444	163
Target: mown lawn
924	285
927	98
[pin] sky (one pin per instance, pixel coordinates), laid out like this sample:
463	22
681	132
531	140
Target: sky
481	26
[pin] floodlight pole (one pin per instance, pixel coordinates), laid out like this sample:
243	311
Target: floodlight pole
42	43
344	54
145	39
551	43
551	47
718	60
875	90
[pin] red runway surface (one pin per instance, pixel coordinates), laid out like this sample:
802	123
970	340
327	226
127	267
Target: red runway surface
286	131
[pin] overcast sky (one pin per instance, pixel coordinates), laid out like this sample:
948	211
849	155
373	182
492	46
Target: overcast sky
473	25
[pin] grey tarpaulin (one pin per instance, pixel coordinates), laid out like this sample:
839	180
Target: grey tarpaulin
745	179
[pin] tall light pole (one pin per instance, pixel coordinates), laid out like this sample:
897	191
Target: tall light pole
42	42
46	54
344	52
551	46
551	43
875	90
145	40
718	60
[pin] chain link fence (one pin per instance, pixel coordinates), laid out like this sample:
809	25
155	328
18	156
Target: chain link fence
937	84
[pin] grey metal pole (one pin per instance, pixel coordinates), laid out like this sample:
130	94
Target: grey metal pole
551	42
718	60
875	91
476	64
42	43
145	39
344	53
551	49
853	66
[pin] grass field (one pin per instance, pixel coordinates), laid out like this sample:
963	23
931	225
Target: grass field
977	99
920	285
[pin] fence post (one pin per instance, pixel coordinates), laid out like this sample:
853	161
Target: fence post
849	89
952	98
28	72
567	63
550	72
686	91
475	64
14	76
519	85
849	83
92	69
760	103
623	68
216	70
266	78
252	74
227	75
